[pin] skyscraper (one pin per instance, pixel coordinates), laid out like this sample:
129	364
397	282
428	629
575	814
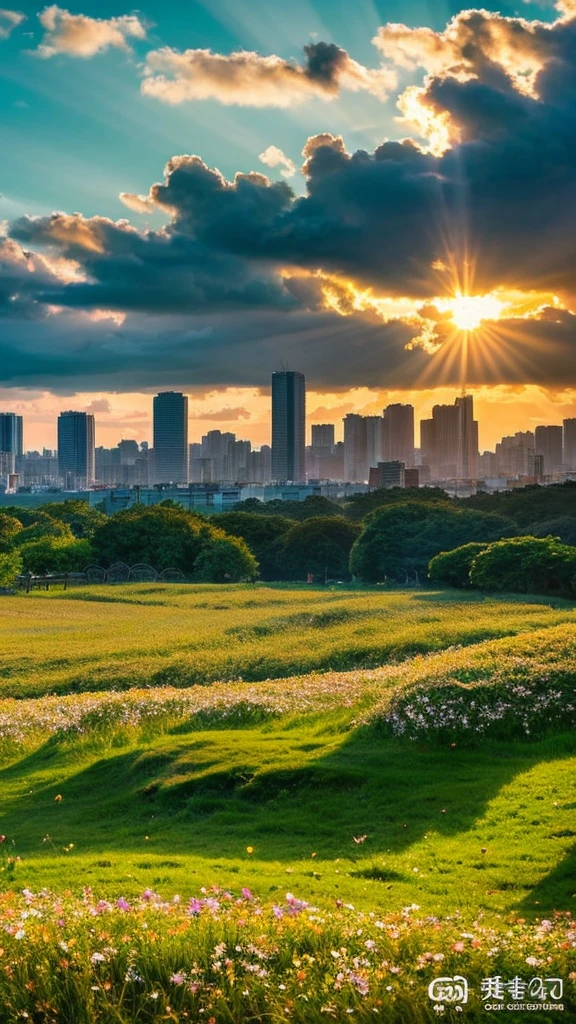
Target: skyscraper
356	465
569	455
322	435
467	438
11	434
288	426
76	433
171	438
399	433
449	441
548	443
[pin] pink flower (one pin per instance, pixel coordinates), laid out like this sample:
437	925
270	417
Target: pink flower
195	906
178	979
247	894
122	904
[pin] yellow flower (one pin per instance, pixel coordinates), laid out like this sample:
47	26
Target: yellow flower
58	799
249	849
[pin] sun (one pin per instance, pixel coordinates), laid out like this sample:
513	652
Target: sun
469	311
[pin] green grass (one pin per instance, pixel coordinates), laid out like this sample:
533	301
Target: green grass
116	637
267	784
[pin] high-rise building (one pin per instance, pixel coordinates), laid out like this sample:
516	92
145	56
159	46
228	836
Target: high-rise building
76	458
569	438
514	455
467	438
356	464
548	443
399	433
375	447
323	435
11	440
288	426
171	438
449	441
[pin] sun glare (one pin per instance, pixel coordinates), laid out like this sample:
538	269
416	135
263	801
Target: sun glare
469	311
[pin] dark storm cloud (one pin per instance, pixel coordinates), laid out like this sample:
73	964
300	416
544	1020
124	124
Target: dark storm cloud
501	196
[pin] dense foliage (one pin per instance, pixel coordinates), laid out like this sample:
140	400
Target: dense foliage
165	536
263	534
319	546
526	565
404	537
452	568
10	567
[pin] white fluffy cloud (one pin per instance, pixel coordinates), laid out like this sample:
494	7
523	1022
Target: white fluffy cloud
9	20
249	79
81	36
274	157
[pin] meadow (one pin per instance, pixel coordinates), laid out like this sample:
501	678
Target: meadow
369	789
106	637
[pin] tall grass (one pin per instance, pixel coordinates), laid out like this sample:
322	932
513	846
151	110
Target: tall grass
114	638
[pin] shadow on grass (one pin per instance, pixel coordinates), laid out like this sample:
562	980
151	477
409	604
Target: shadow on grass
290	790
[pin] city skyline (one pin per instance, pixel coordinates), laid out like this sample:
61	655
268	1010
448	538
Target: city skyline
196	196
377	450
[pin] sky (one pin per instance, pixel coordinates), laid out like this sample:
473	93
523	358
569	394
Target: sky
193	195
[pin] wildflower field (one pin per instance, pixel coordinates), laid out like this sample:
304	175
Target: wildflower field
369	791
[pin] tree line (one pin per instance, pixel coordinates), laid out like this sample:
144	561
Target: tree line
383	537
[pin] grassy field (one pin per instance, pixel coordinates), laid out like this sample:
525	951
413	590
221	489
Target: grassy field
117	637
344	785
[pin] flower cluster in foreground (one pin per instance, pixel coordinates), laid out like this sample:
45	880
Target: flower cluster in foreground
224	957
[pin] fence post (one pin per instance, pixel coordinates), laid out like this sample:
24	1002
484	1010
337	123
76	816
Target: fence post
28	578
65	580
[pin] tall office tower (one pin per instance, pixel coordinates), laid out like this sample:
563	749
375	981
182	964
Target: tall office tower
548	443
569	451
428	455
374	440
76	432
236	462
356	466
399	433
11	441
260	465
171	438
467	438
288	426
323	435
449	441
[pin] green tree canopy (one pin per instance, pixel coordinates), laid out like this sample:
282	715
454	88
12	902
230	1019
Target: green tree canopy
406	536
10	527
263	535
320	545
452	568
225	559
10	567
313	505
81	517
526	565
358	506
163	536
563	527
53	555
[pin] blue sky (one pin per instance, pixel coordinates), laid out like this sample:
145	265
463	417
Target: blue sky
77	132
347	267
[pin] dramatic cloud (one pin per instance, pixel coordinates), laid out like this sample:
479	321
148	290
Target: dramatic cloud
274	157
228	414
357	278
250	79
81	36
9	20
